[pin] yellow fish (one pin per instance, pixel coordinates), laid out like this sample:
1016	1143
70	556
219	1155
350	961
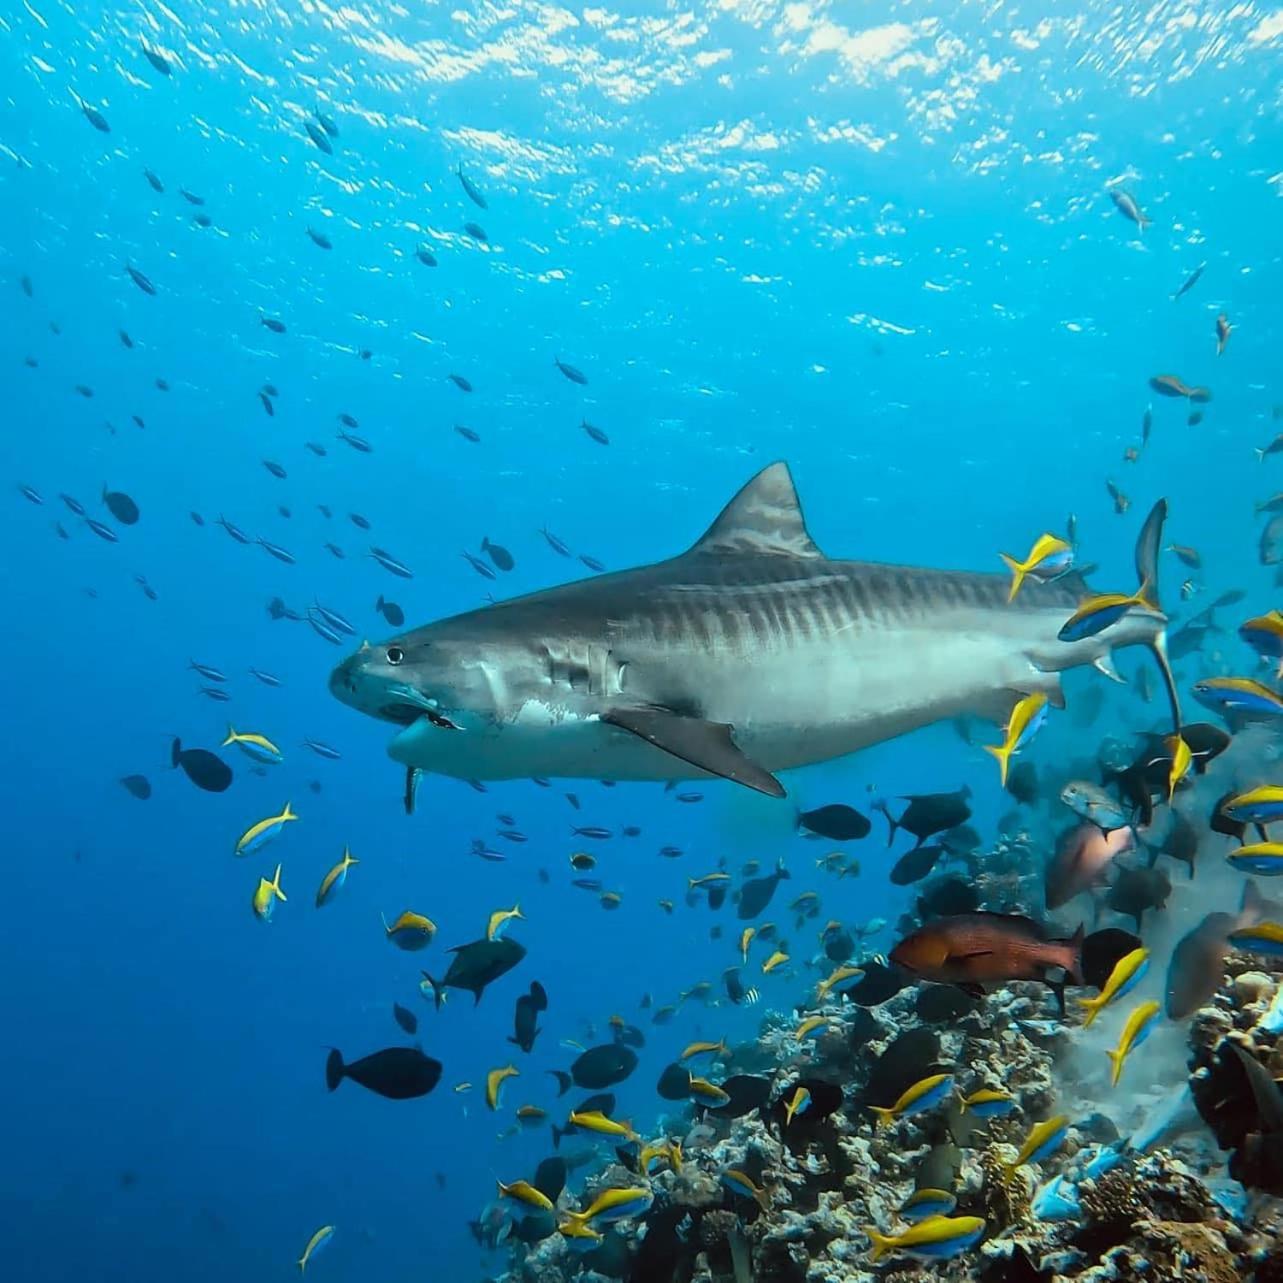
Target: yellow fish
499	920
841	974
259	747
1049	556
1135	1031
525	1192
1181	759
1026	719
935	1238
314	1245
1044	1139
809	1026
705	1090
335	878
925	1094
615	1205
411	931
777	959
746	937
799	1102
709	879
1127	970
259	835
266	896
573	1228
595	1121
704	1049
494	1082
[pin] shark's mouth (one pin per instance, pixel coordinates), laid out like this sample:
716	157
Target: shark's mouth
403	714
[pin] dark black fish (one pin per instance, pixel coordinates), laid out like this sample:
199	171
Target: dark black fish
479	566
206	770
1101	952
878	983
630	1036
564	1080
197	519
359	444
591	562
477	232
95	118
190	197
124	338
121	506
837	822
550	1178
1138	889
274	468
529	1005
466	433
747	1092
138	786
348	420
574	375
674	1083
272	323
554	543
501	557
139	279
839	945
202	220
405	1018
943	1004
156	184
948	896
390	611
319	137
1181	843
928	813
757	893
460	382
476	965
1022	783
914	865
316	448
603	1102
603	1066
908	1059
595	433
472	193
319	239
425	256
399	1073
267	405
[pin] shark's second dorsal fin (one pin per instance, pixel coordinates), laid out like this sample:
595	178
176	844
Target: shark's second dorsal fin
764	518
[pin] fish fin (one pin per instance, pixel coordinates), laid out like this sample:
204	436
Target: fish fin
976	953
765	517
880	805
438	993
1017	575
1076	971
175	751
1105	664
707	745
1059	990
882	1243
334	1068
1251	909
1003	755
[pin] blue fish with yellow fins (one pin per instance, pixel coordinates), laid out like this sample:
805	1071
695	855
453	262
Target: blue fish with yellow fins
1261	805
1264	858
924	1203
1044	1139
259	747
318	1240
1263	937
1126	975
925	1094
258	835
1240	695
1050	556
266	896
937	1238
1138	1027
335	878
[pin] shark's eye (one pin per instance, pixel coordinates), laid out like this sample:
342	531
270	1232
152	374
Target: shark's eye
395	655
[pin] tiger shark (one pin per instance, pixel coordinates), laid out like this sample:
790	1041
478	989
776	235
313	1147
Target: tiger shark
750	654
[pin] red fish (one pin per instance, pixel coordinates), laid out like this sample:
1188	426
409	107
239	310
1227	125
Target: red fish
973	949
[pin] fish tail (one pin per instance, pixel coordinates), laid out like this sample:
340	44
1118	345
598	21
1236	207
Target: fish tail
231	735
882	1244
334	1068
175	751
276	885
1003	755
438	995
287	814
378	605
882	1117
1148	543
1017	575
1075	967
880	805
1093	1006
1260	454
557	1134
1116	1066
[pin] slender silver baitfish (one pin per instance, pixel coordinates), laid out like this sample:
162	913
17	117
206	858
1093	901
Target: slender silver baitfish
750	654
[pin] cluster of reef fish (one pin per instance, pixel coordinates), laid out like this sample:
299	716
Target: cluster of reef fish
754	1191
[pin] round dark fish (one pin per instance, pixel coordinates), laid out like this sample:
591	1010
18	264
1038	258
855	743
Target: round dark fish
839	945
1022	783
391	612
405	1018
137	786
526	1017
534	1226
914	865
948	896
878	983
1136	890
826	1099
603	1102
1198	965
121	506
757	893
501	557
603	1066
908	1059
1102	951
747	1092
943	1004
837	822
206	770
476	965
399	1073
675	1083
550	1177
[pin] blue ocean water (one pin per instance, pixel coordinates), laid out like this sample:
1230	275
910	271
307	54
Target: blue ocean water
875	241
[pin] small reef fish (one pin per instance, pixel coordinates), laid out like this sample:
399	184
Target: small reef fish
499	920
1138	1027
1050	556
1044	1139
925	1094
258	835
1240	695
1094	804
988	1102
259	747
742	1185
495	1080
1026	720
1261	937
1223	328
937	1238
594	1120
1125	203
615	1205
266	896
411	931
335	878
1262	805
1263	858
526	1193
1097	613
926	1202
318	1240
1128	972
798	1103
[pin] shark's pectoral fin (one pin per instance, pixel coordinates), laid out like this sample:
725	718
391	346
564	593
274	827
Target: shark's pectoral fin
1105	664
707	745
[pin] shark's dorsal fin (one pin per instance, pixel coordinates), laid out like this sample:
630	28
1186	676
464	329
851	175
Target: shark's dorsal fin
764	518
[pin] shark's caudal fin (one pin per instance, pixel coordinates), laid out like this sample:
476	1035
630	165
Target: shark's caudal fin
1148	544
765	519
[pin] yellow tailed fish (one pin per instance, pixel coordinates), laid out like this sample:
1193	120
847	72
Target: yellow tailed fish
1049	556
411	931
777	959
495	1080
1135	1031
266	896
259	747
1026	719
525	1192
499	920
318	1240
335	878
258	835
809	1026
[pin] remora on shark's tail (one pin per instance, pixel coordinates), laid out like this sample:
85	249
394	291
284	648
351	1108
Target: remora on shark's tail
750	654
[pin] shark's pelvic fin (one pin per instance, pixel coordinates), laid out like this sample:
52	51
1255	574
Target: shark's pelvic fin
764	519
707	745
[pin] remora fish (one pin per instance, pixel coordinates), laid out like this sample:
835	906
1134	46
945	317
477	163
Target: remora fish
749	654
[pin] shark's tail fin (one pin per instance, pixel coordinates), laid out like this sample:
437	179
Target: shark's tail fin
1148	544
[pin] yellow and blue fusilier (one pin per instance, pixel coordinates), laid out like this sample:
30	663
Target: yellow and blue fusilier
1050	556
259	747
318	1240
1264	634
798	1103
528	1197
742	1185
925	1094
615	1205
937	1238
1026	720
333	881
266	896
411	931
1263	937
1043	1141
1139	1026
1128	972
1238	695
1097	613
1260	805
989	1102
925	1203
499	920
1264	858
259	834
